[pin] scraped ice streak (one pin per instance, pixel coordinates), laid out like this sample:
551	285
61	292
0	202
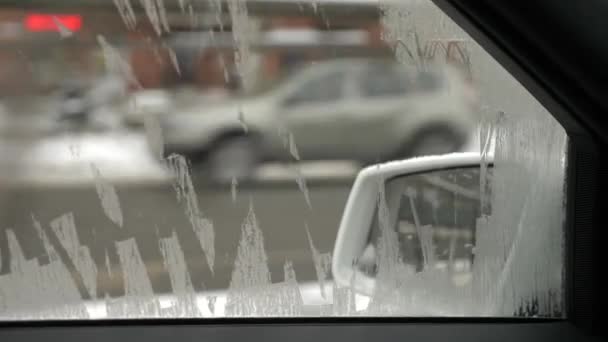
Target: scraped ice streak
162	14
241	117
108	197
114	62
126	13
233	188
154	134
301	181
155	11
248	293
184	302
36	291
185	193
289	143
322	263
291	301
344	301
243	30
192	17
64	32
251	293
139	300
65	230
174	61
293	149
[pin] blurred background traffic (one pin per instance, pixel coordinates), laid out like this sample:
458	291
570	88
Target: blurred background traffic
270	105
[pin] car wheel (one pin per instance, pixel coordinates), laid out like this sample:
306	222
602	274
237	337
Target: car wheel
435	141
232	158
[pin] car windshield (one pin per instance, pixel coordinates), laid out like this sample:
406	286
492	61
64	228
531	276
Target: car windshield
193	158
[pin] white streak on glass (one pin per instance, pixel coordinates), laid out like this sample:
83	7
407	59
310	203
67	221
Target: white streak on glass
183	302
301	181
234	188
153	16
241	117
108	197
192	17
31	291
174	61
185	191
248	290
293	149
243	30
322	263
126	13
139	300
66	231
115	63
162	14
292	303
64	32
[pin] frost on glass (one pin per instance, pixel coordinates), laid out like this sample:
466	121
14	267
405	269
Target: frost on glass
64	32
115	63
518	241
243	29
125	9
108	197
184	302
322	263
527	217
186	194
45	287
518	268
250	292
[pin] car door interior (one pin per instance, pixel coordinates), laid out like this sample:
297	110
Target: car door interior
556	50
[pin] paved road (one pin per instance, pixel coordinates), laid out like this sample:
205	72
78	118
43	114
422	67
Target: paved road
153	211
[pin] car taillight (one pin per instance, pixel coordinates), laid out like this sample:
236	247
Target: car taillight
49	22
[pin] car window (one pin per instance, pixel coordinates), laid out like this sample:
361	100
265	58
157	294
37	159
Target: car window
325	89
143	173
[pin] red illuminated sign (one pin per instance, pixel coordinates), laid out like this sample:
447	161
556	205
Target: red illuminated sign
49	22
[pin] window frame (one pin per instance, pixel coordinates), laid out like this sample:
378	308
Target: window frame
510	40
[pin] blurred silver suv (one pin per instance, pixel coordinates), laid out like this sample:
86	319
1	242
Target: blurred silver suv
353	109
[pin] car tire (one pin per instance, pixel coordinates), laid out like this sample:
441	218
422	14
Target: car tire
434	141
232	158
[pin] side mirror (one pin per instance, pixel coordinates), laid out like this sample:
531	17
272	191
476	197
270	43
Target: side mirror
410	218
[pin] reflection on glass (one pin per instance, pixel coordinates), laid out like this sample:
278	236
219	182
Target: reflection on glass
435	223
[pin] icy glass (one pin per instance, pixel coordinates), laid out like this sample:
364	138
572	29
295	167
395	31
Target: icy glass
151	165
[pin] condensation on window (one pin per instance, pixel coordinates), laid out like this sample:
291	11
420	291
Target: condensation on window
518	248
